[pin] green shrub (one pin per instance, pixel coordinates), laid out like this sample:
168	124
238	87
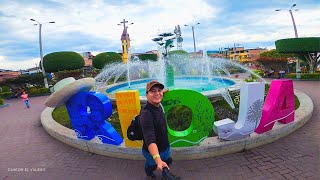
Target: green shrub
5	89
178	52
5	95
59	61
259	72
152	57
304	76
234	70
310	76
249	80
68	73
37	91
253	77
105	58
1	101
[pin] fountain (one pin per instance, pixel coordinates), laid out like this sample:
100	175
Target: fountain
210	76
207	75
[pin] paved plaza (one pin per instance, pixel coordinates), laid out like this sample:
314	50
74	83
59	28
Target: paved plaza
27	151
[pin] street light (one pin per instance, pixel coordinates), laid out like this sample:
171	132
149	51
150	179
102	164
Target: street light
298	71
194	42
293	22
41	54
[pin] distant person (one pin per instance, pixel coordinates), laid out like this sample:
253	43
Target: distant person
49	75
271	72
281	74
24	98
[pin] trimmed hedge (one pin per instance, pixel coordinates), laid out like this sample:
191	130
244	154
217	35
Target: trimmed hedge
178	52
36	91
105	58
5	89
22	80
152	57
1	101
59	61
5	95
68	73
298	45
304	76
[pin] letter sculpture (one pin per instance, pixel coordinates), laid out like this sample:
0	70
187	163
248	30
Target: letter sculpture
128	105
87	112
251	102
202	117
279	105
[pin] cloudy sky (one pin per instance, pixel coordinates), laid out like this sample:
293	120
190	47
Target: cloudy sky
91	25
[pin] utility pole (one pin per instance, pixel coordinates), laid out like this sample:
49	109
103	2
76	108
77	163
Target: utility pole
298	70
41	54
194	41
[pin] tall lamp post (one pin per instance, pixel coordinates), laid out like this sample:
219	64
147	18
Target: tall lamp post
41	54
293	22
298	71
194	41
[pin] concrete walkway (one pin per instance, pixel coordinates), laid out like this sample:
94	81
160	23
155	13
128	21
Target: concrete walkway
28	152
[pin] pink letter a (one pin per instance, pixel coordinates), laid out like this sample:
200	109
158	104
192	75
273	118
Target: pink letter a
279	105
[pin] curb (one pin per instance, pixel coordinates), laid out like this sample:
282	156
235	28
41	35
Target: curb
210	147
4	105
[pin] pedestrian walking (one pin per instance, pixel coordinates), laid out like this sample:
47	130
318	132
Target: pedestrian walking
24	98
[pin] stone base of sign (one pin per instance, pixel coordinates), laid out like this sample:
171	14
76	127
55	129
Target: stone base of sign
210	147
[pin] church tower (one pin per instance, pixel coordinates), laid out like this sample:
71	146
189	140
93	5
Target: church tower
125	40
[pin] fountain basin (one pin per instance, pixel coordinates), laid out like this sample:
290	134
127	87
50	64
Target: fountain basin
196	83
210	147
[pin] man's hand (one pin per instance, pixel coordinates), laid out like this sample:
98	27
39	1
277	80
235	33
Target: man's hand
161	165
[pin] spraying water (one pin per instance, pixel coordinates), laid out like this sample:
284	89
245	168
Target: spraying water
205	67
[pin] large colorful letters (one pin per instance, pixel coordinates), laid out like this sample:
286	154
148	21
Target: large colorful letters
251	102
202	117
279	105
87	112
128	105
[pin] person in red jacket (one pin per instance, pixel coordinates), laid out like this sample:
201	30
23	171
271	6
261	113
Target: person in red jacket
24	98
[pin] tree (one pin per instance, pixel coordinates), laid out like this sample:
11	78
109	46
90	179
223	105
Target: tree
274	60
105	58
308	47
60	61
275	64
275	54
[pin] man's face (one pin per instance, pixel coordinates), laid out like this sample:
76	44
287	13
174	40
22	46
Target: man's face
154	95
